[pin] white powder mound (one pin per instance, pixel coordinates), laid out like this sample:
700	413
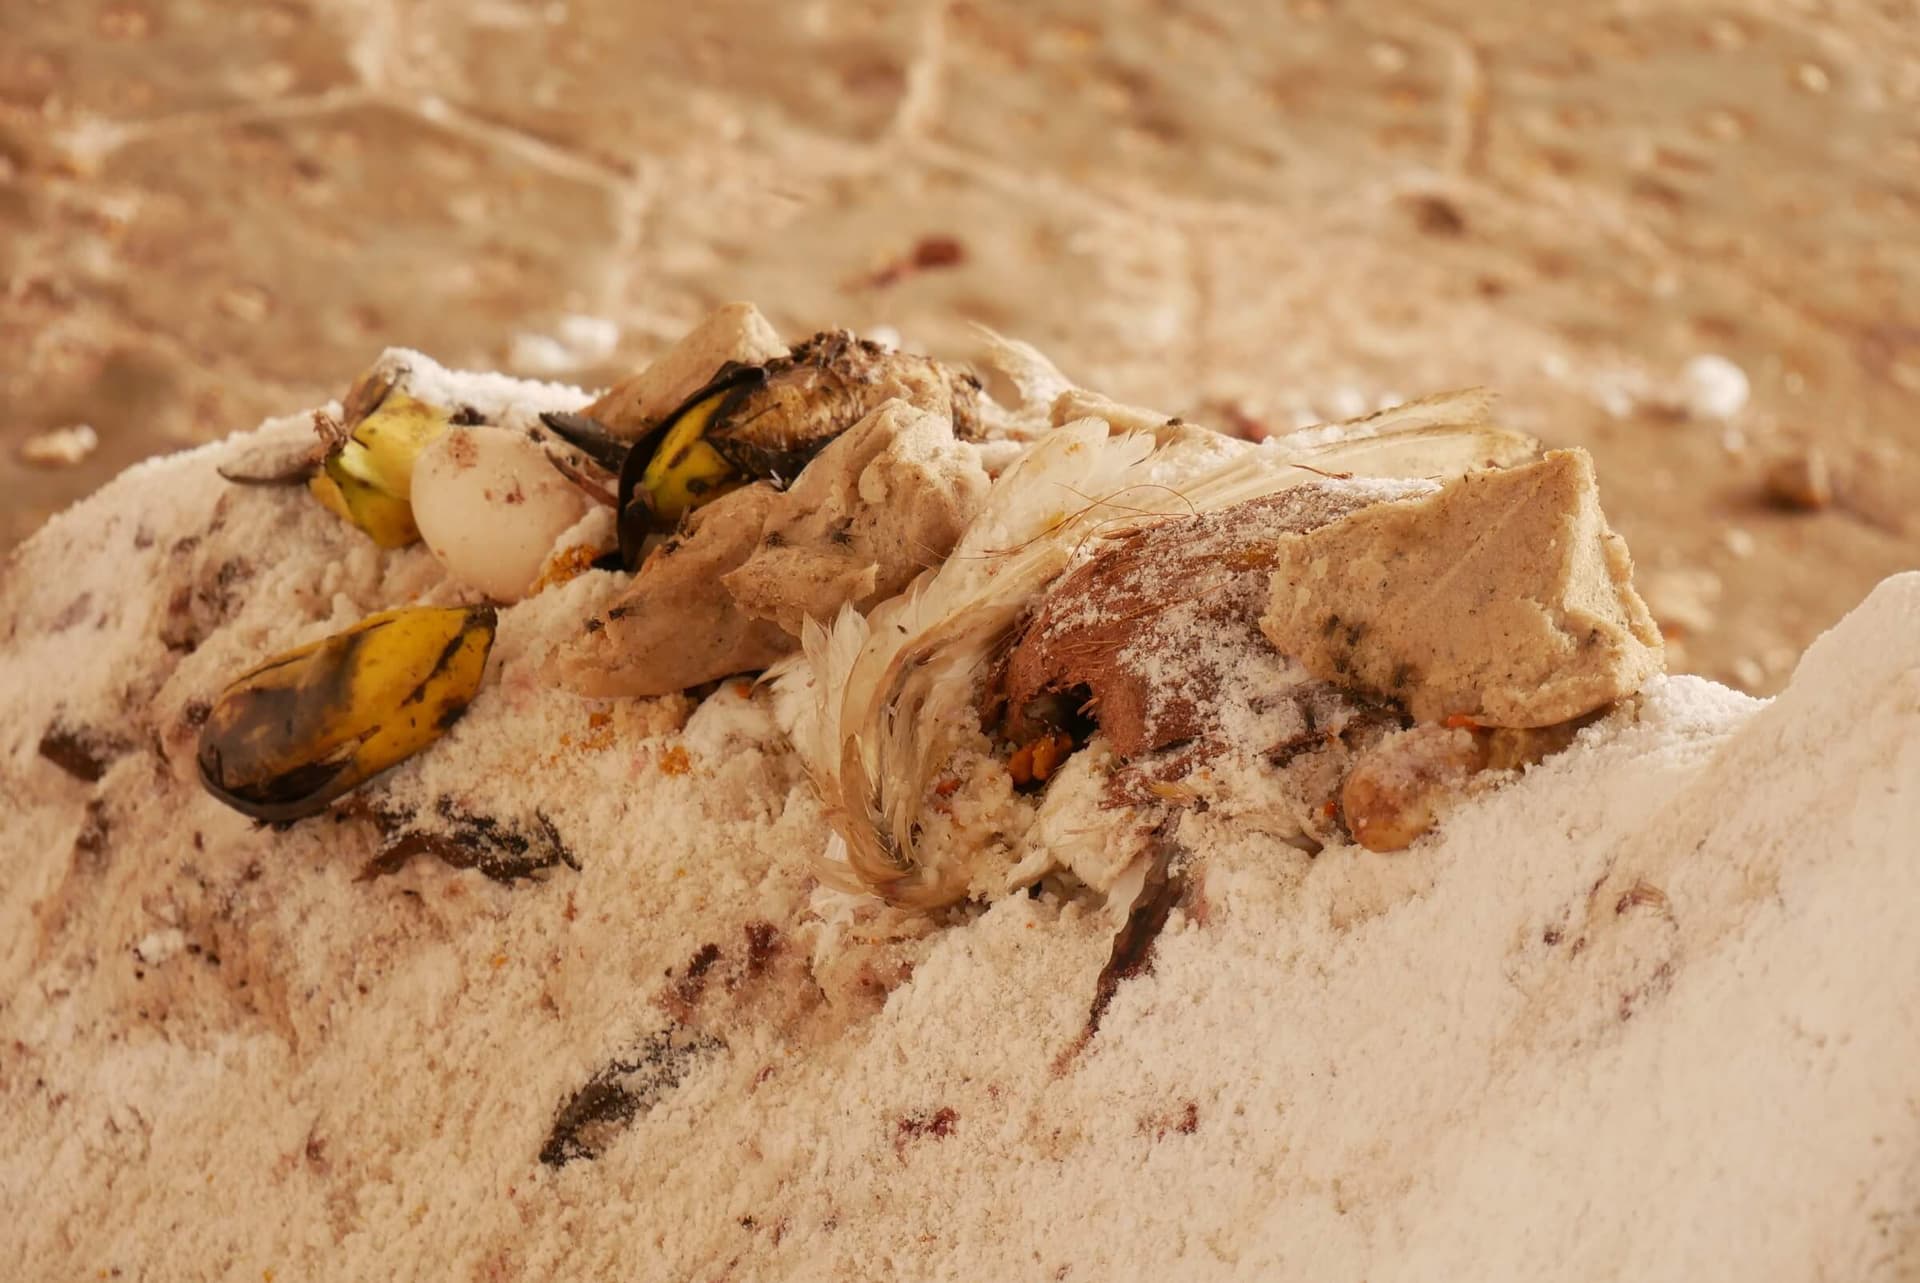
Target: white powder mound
1651	1010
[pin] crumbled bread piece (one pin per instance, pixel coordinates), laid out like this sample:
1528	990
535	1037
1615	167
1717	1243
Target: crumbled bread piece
886	499
731	332
671	630
1504	598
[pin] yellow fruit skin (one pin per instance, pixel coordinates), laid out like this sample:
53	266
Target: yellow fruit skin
289	736
368	481
387	519
327	491
390	439
686	471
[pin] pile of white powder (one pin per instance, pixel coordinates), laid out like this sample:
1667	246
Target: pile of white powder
1650	1011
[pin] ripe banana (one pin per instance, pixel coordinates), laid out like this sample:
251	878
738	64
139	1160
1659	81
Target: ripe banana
686	471
296	732
368	479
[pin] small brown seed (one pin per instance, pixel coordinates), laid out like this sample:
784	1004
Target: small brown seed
1800	482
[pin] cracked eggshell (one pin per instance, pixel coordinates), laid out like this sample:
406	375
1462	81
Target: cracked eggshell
490	506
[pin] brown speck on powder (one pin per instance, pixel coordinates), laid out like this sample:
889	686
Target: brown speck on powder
937	1125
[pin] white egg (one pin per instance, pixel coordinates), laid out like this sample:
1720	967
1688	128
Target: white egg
490	507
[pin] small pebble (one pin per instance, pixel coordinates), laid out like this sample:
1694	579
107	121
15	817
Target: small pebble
59	447
1683	599
1800	482
1437	216
1714	387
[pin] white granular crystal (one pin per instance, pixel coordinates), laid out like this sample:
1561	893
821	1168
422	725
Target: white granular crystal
1713	387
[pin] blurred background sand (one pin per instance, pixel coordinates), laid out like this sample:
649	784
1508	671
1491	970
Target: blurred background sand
1685	236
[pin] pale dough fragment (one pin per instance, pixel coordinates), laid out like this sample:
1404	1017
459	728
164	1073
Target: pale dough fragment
671	630
731	332
1503	597
730	592
885	500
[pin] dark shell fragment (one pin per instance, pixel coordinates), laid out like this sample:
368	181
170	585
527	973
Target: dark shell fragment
503	851
81	751
589	436
624	1088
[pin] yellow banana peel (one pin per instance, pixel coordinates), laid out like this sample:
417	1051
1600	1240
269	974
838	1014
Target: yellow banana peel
289	736
686	471
368	481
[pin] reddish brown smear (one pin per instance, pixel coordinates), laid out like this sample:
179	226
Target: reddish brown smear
939	1125
693	978
1101	626
763	938
1184	1121
929	253
1132	953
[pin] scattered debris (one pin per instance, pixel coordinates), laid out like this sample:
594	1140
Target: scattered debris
500	850
1800	482
1184	1121
83	752
1436	215
623	1089
923	1124
929	253
60	447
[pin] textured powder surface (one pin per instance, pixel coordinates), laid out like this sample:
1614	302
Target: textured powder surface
1504	597
1648	1010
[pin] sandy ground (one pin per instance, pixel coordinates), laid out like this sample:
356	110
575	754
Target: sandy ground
1253	214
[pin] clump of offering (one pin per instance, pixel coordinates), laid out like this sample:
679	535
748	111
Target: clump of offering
776	492
992	599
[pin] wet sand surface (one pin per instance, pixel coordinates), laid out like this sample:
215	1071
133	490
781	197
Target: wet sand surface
1685	236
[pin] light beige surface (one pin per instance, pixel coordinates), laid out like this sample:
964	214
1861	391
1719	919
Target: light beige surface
1252	213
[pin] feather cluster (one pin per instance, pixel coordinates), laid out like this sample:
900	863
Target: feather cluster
878	705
